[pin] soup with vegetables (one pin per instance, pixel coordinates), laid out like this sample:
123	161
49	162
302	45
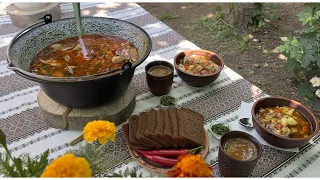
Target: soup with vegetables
285	121
198	65
240	149
87	55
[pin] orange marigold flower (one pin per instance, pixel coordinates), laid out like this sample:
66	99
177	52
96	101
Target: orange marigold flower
190	166
68	166
101	130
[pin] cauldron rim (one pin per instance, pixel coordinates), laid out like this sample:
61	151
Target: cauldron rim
41	78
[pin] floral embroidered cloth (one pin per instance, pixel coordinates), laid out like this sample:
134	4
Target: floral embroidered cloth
21	121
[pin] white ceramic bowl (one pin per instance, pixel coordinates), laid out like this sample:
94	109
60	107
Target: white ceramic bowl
217	136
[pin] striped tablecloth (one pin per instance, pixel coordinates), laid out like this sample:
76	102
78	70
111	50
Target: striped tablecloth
21	121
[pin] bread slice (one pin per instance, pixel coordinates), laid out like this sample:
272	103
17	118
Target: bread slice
151	126
133	125
142	120
175	127
162	121
126	131
191	130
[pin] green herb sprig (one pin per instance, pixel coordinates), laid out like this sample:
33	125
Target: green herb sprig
220	129
168	101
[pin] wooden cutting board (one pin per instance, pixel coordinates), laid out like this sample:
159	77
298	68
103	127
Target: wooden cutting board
60	116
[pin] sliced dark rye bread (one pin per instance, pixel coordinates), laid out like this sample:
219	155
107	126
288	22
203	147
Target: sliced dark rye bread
167	129
191	130
151	128
141	129
159	130
133	125
175	127
126	132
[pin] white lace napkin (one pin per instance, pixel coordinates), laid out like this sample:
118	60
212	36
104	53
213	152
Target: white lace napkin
245	112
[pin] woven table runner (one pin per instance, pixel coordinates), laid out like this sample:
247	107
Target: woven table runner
21	121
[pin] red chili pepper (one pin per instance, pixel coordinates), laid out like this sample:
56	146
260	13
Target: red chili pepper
170	152
160	160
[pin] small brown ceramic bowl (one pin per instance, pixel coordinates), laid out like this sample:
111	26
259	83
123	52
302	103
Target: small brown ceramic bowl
230	167
277	140
159	85
198	80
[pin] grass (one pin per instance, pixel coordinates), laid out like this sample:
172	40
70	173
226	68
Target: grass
217	30
168	16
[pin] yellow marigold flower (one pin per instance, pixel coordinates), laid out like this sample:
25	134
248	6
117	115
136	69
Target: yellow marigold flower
101	130
190	166
68	166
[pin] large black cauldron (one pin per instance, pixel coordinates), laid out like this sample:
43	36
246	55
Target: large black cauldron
84	91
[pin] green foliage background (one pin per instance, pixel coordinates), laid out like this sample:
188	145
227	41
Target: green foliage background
303	54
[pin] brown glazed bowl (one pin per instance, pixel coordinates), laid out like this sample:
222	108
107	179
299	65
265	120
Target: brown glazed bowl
198	80
230	167
277	140
159	85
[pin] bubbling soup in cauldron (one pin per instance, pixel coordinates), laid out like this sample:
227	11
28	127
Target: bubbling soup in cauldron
87	55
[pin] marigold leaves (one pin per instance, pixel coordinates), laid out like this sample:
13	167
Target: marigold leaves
40	166
89	151
3	139
18	164
126	172
10	170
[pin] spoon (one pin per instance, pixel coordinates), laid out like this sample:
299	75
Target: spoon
245	122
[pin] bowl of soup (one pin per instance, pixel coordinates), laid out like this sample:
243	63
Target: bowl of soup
238	154
283	122
198	68
80	71
159	76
